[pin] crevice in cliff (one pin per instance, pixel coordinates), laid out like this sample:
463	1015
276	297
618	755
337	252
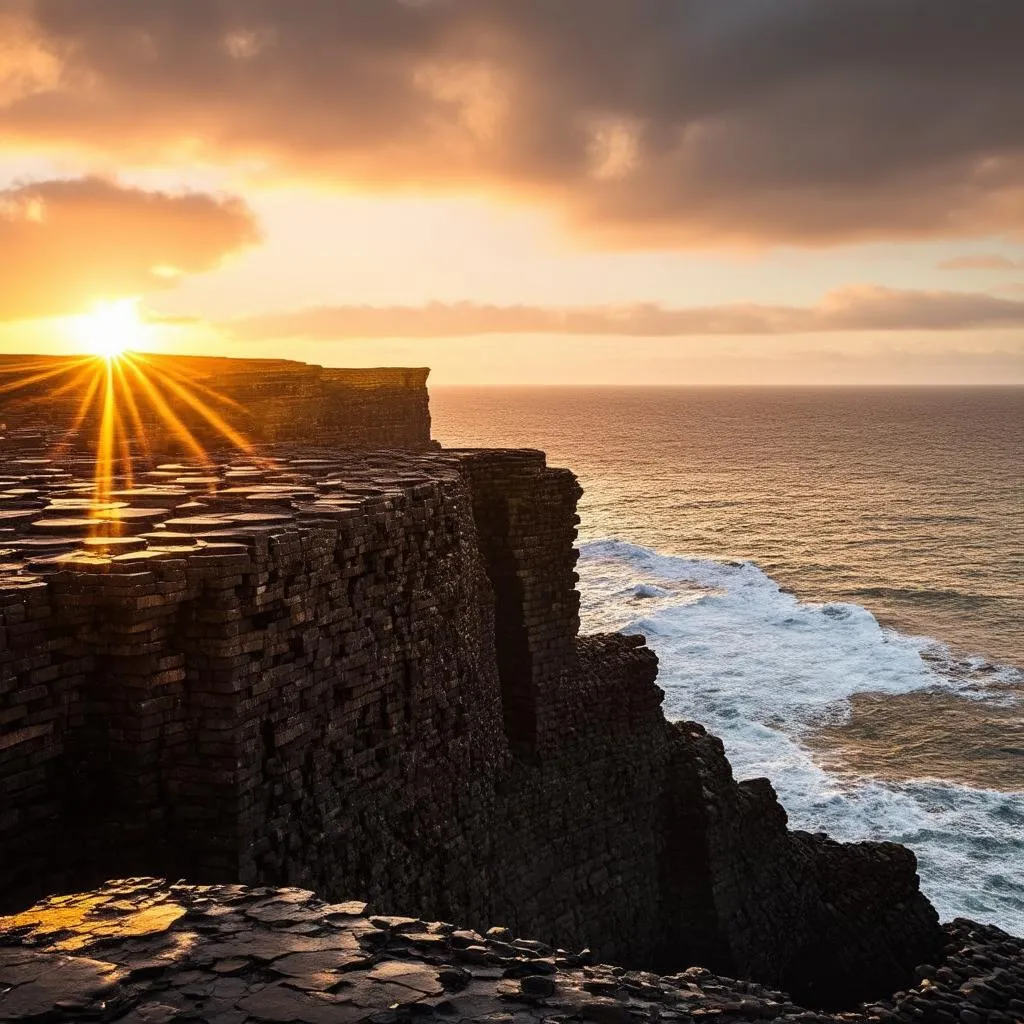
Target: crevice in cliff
512	649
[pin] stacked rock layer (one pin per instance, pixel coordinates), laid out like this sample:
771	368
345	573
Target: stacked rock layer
360	673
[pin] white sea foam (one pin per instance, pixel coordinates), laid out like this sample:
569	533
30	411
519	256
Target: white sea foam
761	669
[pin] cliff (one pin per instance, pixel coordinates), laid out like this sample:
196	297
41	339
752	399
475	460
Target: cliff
360	672
171	405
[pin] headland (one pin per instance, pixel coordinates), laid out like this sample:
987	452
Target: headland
346	660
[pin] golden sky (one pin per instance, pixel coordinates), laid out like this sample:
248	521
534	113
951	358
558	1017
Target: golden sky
523	191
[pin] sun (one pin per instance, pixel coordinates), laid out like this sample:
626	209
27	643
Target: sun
111	328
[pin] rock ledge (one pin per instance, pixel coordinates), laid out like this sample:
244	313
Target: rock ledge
141	951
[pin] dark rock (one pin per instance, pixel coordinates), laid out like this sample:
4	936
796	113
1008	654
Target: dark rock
601	987
537	985
606	1011
530	967
454	978
287	976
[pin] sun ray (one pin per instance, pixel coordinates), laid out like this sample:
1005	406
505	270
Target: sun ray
115	402
217	422
165	412
190	380
125	390
91	370
87	383
103	474
24	382
84	405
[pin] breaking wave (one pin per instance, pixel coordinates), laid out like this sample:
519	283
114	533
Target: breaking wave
765	671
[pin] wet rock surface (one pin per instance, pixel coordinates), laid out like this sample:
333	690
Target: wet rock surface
56	515
140	950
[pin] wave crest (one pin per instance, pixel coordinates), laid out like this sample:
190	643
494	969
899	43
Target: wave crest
765	670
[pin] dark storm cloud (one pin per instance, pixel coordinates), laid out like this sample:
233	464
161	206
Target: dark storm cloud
647	122
66	244
863	308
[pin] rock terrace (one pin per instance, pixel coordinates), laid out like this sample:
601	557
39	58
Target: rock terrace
142	952
51	519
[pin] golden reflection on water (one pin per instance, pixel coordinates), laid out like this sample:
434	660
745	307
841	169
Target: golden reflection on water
921	735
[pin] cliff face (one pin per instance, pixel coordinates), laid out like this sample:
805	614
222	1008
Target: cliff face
180	405
361	674
831	922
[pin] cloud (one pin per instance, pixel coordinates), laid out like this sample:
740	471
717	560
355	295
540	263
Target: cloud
857	308
648	123
981	261
66	243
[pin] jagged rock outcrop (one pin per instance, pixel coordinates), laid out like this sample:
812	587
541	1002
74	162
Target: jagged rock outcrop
142	952
818	917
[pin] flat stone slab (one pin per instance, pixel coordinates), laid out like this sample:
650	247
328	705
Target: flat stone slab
32	544
40	984
144	952
57	506
66	525
195	524
133	513
171	538
12	517
65	505
114	545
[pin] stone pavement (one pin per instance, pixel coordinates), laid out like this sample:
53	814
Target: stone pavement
55	516
140	951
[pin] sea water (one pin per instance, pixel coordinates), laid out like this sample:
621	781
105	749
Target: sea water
833	581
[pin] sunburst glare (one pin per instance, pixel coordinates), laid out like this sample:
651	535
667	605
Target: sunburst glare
120	396
110	328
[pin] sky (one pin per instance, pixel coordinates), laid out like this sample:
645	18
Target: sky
524	191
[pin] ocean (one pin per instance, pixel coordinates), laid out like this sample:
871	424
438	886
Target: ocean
833	580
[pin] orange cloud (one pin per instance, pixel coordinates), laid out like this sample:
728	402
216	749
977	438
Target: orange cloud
652	122
66	244
857	308
980	261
